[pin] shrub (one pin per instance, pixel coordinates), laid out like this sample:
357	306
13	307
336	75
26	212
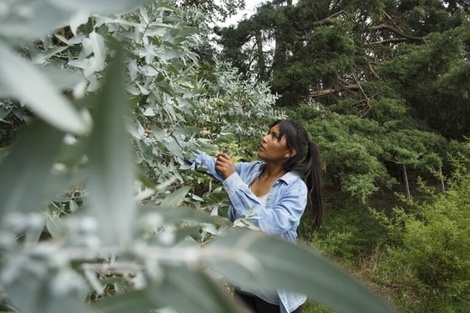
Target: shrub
430	240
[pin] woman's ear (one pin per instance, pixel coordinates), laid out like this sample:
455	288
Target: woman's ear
291	153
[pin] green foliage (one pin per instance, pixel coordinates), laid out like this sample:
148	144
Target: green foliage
410	146
439	78
347	235
350	233
106	210
430	241
350	149
382	86
347	53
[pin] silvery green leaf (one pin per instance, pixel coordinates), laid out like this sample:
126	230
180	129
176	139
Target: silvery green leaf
169	54
98	47
79	63
144	15
33	20
77	39
61	78
144	194
31	294
132	69
94	49
87	48
202	295
78	19
23	294
4	111
102	6
135	129
291	267
210	228
94	83
110	162
185	131
92	66
56	227
133	90
150	53
94	281
185	32
46	55
175	198
143	90
148	71
110	21
159	134
149	112
5	92
27	83
25	181
157	29
73	206
197	198
174	147
215	211
34	233
73	305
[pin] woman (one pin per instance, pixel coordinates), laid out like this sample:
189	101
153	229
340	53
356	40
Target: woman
275	192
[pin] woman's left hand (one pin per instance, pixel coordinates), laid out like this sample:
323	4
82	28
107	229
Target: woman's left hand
224	165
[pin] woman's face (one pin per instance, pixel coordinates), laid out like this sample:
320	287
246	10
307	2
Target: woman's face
272	148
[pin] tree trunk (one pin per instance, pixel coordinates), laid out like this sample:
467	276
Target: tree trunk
442	180
407	185
261	61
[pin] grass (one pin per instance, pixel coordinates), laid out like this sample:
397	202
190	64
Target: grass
310	307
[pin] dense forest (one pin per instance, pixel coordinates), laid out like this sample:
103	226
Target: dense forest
383	86
103	105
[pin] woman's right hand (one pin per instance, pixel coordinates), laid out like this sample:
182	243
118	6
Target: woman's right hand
224	165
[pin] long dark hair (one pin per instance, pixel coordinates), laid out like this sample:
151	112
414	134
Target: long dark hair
306	162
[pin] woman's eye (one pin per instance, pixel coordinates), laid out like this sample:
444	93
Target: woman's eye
273	135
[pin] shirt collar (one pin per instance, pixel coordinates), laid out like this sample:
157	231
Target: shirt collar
289	177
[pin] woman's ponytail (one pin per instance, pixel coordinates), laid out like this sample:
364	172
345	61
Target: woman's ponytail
314	183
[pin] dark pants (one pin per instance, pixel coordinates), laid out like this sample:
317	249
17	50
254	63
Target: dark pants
258	305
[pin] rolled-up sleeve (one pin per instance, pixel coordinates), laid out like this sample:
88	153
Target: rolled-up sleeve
209	163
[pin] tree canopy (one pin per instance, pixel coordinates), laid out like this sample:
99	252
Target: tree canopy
400	69
336	51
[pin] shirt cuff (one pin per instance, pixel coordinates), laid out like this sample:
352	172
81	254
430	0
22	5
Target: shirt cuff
233	179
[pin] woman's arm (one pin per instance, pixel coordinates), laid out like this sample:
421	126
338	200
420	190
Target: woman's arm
287	211
209	163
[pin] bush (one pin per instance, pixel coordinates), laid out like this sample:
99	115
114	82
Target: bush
430	242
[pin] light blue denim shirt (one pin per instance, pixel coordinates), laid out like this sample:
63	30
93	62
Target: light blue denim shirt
281	216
